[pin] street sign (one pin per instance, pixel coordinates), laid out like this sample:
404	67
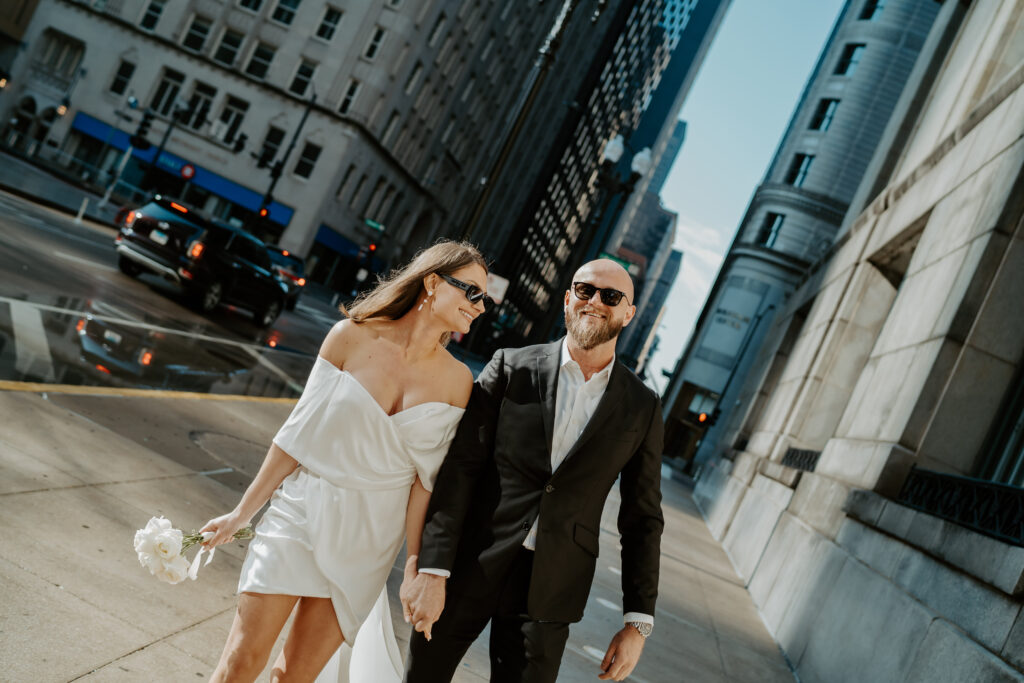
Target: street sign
631	268
188	171
373	224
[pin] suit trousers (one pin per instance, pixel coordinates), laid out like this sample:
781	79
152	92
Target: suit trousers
521	650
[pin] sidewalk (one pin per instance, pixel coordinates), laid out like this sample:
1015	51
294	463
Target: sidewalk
79	473
35	183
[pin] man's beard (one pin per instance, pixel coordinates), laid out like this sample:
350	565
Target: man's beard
589	336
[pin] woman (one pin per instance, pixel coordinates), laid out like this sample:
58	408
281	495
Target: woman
352	468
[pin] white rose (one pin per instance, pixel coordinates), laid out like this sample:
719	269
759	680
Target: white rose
173	571
151	562
144	542
167	544
145	539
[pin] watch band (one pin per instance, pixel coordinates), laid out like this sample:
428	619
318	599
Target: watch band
642	626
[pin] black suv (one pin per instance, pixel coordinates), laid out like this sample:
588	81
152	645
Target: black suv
213	262
291	268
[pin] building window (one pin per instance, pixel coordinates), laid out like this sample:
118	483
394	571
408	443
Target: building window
849	59
199	106
435	33
167	91
358	191
349	98
1005	450
872	8
152	14
385	137
197	33
227	51
344	181
271	144
375	42
122	77
329	24
259	63
798	169
284	13
824	114
770	227
61	53
303	76
414	77
307	160
230	119
253	5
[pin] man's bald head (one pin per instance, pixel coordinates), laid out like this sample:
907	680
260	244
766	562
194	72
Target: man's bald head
606	273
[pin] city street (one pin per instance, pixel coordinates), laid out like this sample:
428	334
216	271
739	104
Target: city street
108	448
56	273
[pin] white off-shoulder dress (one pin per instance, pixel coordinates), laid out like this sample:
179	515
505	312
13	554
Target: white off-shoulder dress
335	526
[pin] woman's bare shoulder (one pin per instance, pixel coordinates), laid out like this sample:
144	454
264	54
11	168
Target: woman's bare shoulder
342	340
458	380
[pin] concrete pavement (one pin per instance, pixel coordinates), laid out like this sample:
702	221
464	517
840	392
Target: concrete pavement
80	472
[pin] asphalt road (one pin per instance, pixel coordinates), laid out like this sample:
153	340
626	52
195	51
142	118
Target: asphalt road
55	274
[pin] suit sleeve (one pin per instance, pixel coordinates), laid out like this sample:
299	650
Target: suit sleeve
470	450
641	521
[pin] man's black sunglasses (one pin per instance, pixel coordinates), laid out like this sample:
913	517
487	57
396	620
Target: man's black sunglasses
609	297
473	293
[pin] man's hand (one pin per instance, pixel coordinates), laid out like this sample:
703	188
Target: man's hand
622	655
422	598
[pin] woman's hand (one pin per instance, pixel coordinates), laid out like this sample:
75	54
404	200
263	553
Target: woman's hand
223	529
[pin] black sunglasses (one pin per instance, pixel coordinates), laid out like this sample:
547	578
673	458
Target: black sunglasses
473	293
609	297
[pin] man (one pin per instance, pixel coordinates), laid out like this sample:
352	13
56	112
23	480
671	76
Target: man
512	529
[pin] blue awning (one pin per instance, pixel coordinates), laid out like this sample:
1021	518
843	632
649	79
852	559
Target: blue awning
171	163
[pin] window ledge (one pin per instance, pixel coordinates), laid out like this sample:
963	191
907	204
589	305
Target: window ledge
987	559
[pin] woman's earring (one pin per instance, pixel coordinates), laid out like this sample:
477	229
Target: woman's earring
429	294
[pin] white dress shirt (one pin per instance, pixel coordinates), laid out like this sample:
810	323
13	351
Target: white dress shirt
576	400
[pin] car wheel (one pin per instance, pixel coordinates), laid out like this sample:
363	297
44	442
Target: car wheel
210	296
269	314
128	267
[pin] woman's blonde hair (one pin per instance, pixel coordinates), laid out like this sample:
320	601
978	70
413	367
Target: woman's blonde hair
396	294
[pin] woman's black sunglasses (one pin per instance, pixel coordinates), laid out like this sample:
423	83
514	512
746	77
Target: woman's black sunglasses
609	297
473	293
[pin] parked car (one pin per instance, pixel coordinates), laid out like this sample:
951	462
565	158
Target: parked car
291	269
212	262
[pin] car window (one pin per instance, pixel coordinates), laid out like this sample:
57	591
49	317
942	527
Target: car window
157	212
252	251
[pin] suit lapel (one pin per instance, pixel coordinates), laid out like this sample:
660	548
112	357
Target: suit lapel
614	394
546	378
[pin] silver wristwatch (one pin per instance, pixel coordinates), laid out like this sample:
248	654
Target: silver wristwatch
642	626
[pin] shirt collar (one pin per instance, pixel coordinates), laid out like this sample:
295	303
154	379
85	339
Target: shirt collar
567	359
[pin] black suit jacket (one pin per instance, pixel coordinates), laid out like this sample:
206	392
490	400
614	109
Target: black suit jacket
497	479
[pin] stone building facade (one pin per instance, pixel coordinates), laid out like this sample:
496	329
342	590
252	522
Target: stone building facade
408	96
795	213
871	495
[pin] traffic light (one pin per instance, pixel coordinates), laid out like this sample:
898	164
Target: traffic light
145	123
372	248
139	140
702	418
264	212
265	157
240	142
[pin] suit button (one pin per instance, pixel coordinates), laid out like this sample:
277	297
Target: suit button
549	488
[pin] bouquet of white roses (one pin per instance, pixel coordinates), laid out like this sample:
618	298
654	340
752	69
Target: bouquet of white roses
162	549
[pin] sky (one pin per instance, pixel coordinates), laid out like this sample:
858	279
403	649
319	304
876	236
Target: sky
735	114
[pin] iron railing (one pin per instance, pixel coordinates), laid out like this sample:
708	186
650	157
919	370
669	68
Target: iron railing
801	459
993	509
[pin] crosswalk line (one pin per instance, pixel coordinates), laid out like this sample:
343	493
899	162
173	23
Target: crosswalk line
32	350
